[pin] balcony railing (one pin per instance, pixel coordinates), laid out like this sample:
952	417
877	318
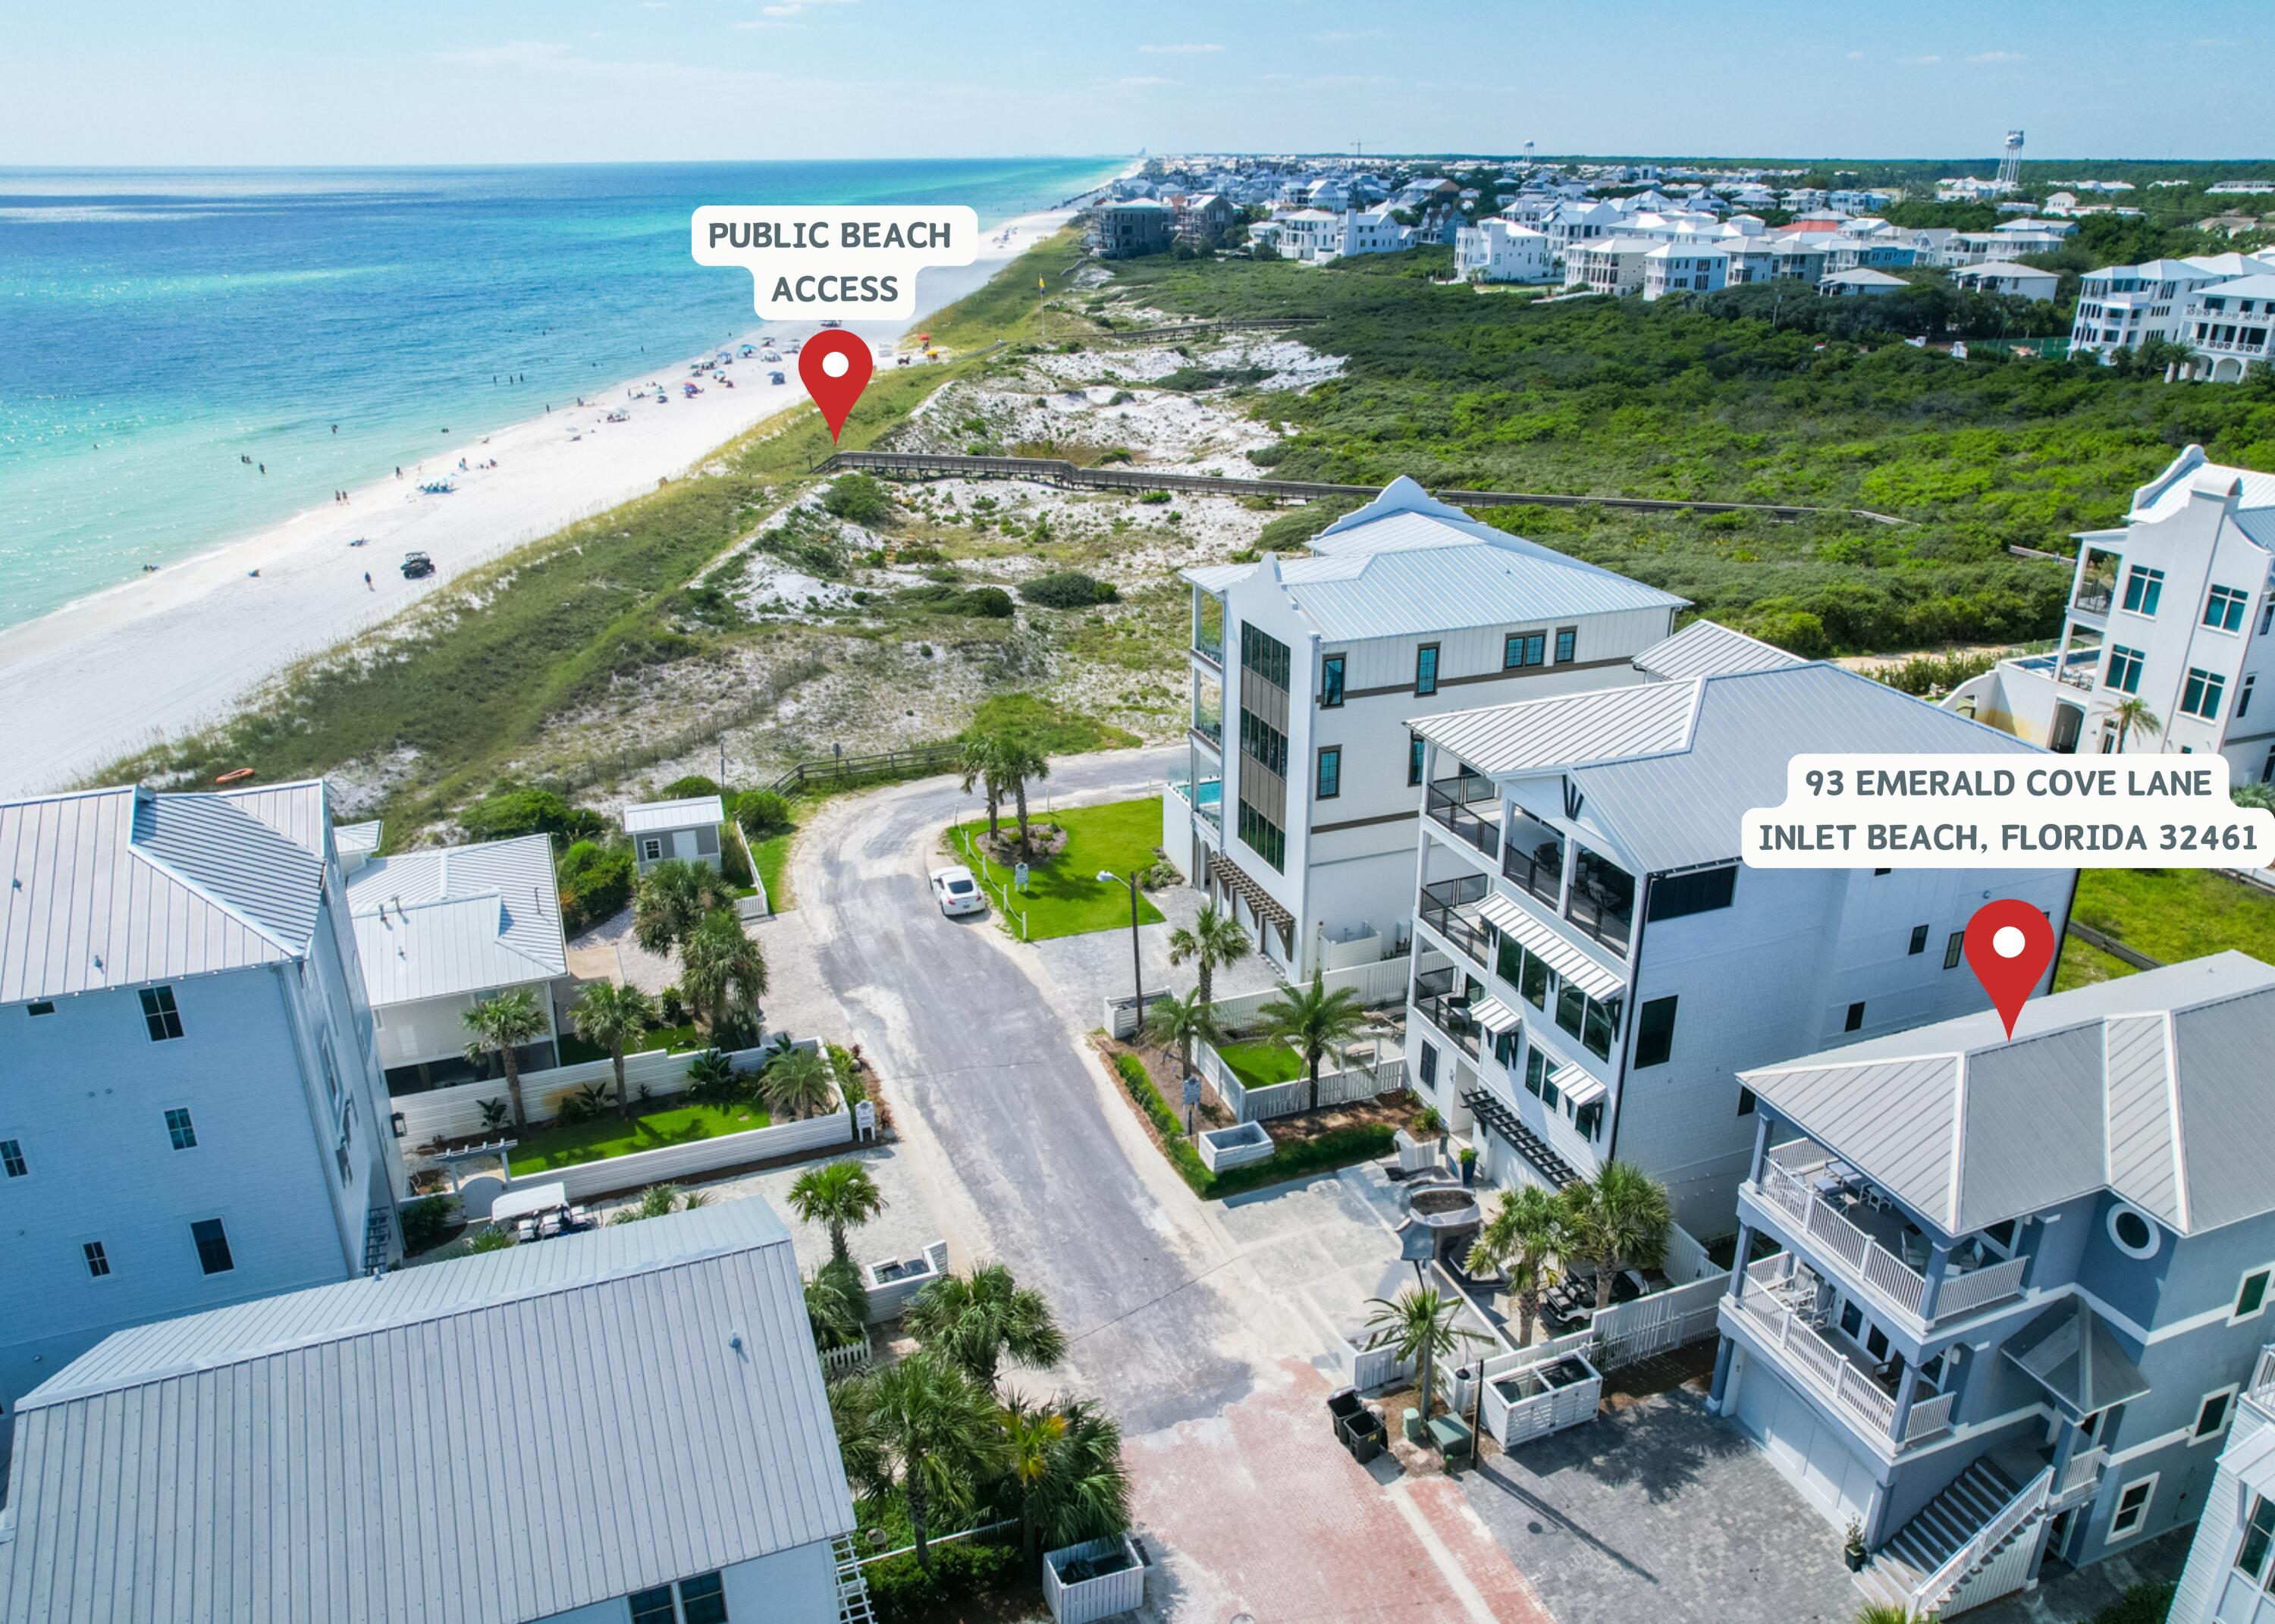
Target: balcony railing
1865	1258
1438	995
2079	1480
1611	927
1449	803
1442	906
2091	600
1540	876
1830	1369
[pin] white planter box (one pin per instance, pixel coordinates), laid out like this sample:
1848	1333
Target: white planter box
1415	1155
908	1276
1235	1147
1085	1600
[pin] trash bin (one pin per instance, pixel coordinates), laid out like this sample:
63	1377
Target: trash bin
1362	1435
1343	1404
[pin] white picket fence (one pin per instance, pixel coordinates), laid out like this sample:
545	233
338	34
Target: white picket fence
1261	1105
836	1362
1622	1334
456	1113
1382	981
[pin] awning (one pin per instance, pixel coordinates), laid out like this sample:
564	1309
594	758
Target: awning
1494	1015
1261	901
2071	1353
1576	1084
1540	938
1497	1114
523	1203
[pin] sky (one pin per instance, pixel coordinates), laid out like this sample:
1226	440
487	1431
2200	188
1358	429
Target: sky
142	82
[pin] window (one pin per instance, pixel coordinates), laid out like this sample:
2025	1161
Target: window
1523	648
1539	981
1504	1047
1566	640
2132	1506
11	1158
2211	1415
213	1246
2258	1539
159	1014
2130	1229
1852	1321
1953	946
179	1130
1429	1065
1266	656
2201	696
1425	671
1919	941
1535	1071
1747	1102
653	1606
2250	1296
2243	694
702	1600
1414	748
1331	681
2225	608
651	848
1590	1120
1702	892
47	1006
1261	836
1263	744
1331	772
1856	1018
2267	613
97	1264
2125	667
1654	1032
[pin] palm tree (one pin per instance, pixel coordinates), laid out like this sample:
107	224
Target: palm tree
1889	1612
504	1023
798	1082
1066	1464
613	1016
1214	941
1617	1219
720	965
1319	1022
973	1321
841	1194
1419	1326
2133	715
837	1308
976	758
1021	763
1522	1237
672	900
1180	1023
922	1426
660	1201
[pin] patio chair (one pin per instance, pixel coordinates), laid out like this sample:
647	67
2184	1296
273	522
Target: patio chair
525	1230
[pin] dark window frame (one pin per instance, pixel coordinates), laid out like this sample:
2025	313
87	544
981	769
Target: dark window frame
1953	946
210	1236
1654	1043
1415	747
1568	644
1854	1021
12	1163
98	1261
1331	681
162	1017
1919	941
1425	671
1521	650
1321	778
184	1133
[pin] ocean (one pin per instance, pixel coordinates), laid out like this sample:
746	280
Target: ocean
157	326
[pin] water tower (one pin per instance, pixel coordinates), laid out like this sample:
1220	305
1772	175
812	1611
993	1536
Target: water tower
2010	162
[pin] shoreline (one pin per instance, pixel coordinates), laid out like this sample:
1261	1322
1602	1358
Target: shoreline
121	668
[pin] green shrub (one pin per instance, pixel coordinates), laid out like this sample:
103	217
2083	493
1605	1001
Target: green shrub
1155	499
1181	1155
987	602
596	884
1069	589
687	788
488	1241
761	813
518	809
426	1222
711	1080
734	861
860	497
900	1591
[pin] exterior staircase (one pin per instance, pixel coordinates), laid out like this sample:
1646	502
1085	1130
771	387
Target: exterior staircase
852	1589
1979	1497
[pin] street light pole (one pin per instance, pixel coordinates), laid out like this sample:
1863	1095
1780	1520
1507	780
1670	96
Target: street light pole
1106	876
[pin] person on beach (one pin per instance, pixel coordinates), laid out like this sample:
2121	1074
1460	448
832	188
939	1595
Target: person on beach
367	586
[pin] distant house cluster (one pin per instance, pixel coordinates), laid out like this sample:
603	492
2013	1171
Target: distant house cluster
2221	307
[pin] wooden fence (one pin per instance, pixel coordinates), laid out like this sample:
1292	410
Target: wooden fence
916	760
1054	471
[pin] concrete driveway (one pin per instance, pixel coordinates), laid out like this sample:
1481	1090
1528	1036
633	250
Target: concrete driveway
1027	1151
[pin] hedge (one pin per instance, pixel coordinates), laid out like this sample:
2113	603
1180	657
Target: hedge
1339	1148
899	1590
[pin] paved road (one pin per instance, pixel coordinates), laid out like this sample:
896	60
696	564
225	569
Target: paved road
1028	1156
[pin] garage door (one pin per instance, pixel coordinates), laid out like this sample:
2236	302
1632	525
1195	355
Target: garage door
1809	1453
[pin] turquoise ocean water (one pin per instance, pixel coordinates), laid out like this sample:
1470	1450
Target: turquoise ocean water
156	326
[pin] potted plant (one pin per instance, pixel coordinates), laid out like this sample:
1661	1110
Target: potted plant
1852	1548
1429	1125
1469	1164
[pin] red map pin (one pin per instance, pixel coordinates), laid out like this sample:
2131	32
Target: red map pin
2009	944
834	391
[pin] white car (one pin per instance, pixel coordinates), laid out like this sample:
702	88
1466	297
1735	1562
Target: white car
957	892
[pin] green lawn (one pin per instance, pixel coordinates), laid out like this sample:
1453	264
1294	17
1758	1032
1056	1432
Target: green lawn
550	1148
2171	914
772	858
2082	965
1263	1063
1063	896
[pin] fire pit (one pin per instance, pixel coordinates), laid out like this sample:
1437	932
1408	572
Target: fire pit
1444	1209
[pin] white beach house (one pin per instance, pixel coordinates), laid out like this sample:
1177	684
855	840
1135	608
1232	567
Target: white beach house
1501	250
440	929
1303	782
1594	965
192	1111
2004	276
625	1426
2231	327
2173	610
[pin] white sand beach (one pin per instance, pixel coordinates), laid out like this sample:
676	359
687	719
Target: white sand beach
171	651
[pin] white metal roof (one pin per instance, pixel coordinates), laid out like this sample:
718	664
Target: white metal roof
350	838
2153	1086
489	1440
1863	278
1494	1015
650	816
1703	648
458	919
1542	940
1576	1083
121	887
1640	719
2168	493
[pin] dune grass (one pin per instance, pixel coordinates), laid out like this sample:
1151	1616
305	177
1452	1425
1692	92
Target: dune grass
2170	914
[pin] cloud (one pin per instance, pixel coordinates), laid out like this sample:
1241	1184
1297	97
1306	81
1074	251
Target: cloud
1177	50
1997	55
1918	61
1144	78
1855	55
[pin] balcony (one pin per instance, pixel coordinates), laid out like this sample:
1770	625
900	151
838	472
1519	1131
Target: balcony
2092	600
2079	670
1450	803
1834	1214
1533	860
1209	730
1441	998
1204	796
1602	902
1779	1309
1448	908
